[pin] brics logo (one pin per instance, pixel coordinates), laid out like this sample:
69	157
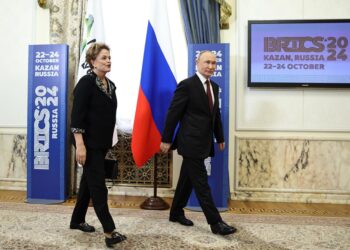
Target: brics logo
294	44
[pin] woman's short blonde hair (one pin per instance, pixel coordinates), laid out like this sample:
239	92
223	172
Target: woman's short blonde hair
93	51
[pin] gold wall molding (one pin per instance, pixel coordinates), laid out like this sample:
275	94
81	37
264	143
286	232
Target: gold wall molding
225	13
45	4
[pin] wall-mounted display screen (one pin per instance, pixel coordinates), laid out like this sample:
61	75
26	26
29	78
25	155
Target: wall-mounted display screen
299	53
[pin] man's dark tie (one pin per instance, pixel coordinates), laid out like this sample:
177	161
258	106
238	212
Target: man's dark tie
210	98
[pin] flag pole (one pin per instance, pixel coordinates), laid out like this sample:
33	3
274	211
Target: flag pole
155	202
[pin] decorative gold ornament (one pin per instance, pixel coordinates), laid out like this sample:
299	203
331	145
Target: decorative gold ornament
42	3
225	13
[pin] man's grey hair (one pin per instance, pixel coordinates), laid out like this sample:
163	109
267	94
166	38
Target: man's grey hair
202	52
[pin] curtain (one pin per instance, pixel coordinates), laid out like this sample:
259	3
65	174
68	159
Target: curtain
201	20
65	27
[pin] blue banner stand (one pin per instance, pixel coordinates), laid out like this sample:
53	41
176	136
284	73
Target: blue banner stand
47	122
218	178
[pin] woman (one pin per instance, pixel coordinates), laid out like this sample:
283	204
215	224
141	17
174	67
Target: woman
92	124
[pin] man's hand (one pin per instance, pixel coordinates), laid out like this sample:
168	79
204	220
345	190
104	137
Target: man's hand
164	147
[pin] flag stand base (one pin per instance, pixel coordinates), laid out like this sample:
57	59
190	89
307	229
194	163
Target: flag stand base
154	203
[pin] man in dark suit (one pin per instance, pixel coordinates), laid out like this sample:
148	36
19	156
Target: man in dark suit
195	107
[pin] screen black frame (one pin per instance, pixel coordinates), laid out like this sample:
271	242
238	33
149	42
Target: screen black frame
290	84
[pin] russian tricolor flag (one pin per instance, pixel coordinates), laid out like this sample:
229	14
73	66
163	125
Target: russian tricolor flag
157	86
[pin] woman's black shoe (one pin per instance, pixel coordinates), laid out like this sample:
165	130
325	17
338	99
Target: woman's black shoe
114	239
83	227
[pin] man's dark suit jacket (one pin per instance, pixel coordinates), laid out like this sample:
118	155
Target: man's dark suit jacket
94	112
197	125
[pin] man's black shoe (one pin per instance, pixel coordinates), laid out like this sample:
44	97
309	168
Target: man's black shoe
114	239
83	227
182	220
222	228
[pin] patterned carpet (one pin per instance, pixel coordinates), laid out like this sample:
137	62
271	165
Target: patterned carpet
28	226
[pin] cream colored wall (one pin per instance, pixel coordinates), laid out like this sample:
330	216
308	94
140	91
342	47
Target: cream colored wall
292	110
318	116
23	22
229	36
42	25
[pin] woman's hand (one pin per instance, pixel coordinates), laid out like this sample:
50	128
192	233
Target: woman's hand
80	152
80	155
221	146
